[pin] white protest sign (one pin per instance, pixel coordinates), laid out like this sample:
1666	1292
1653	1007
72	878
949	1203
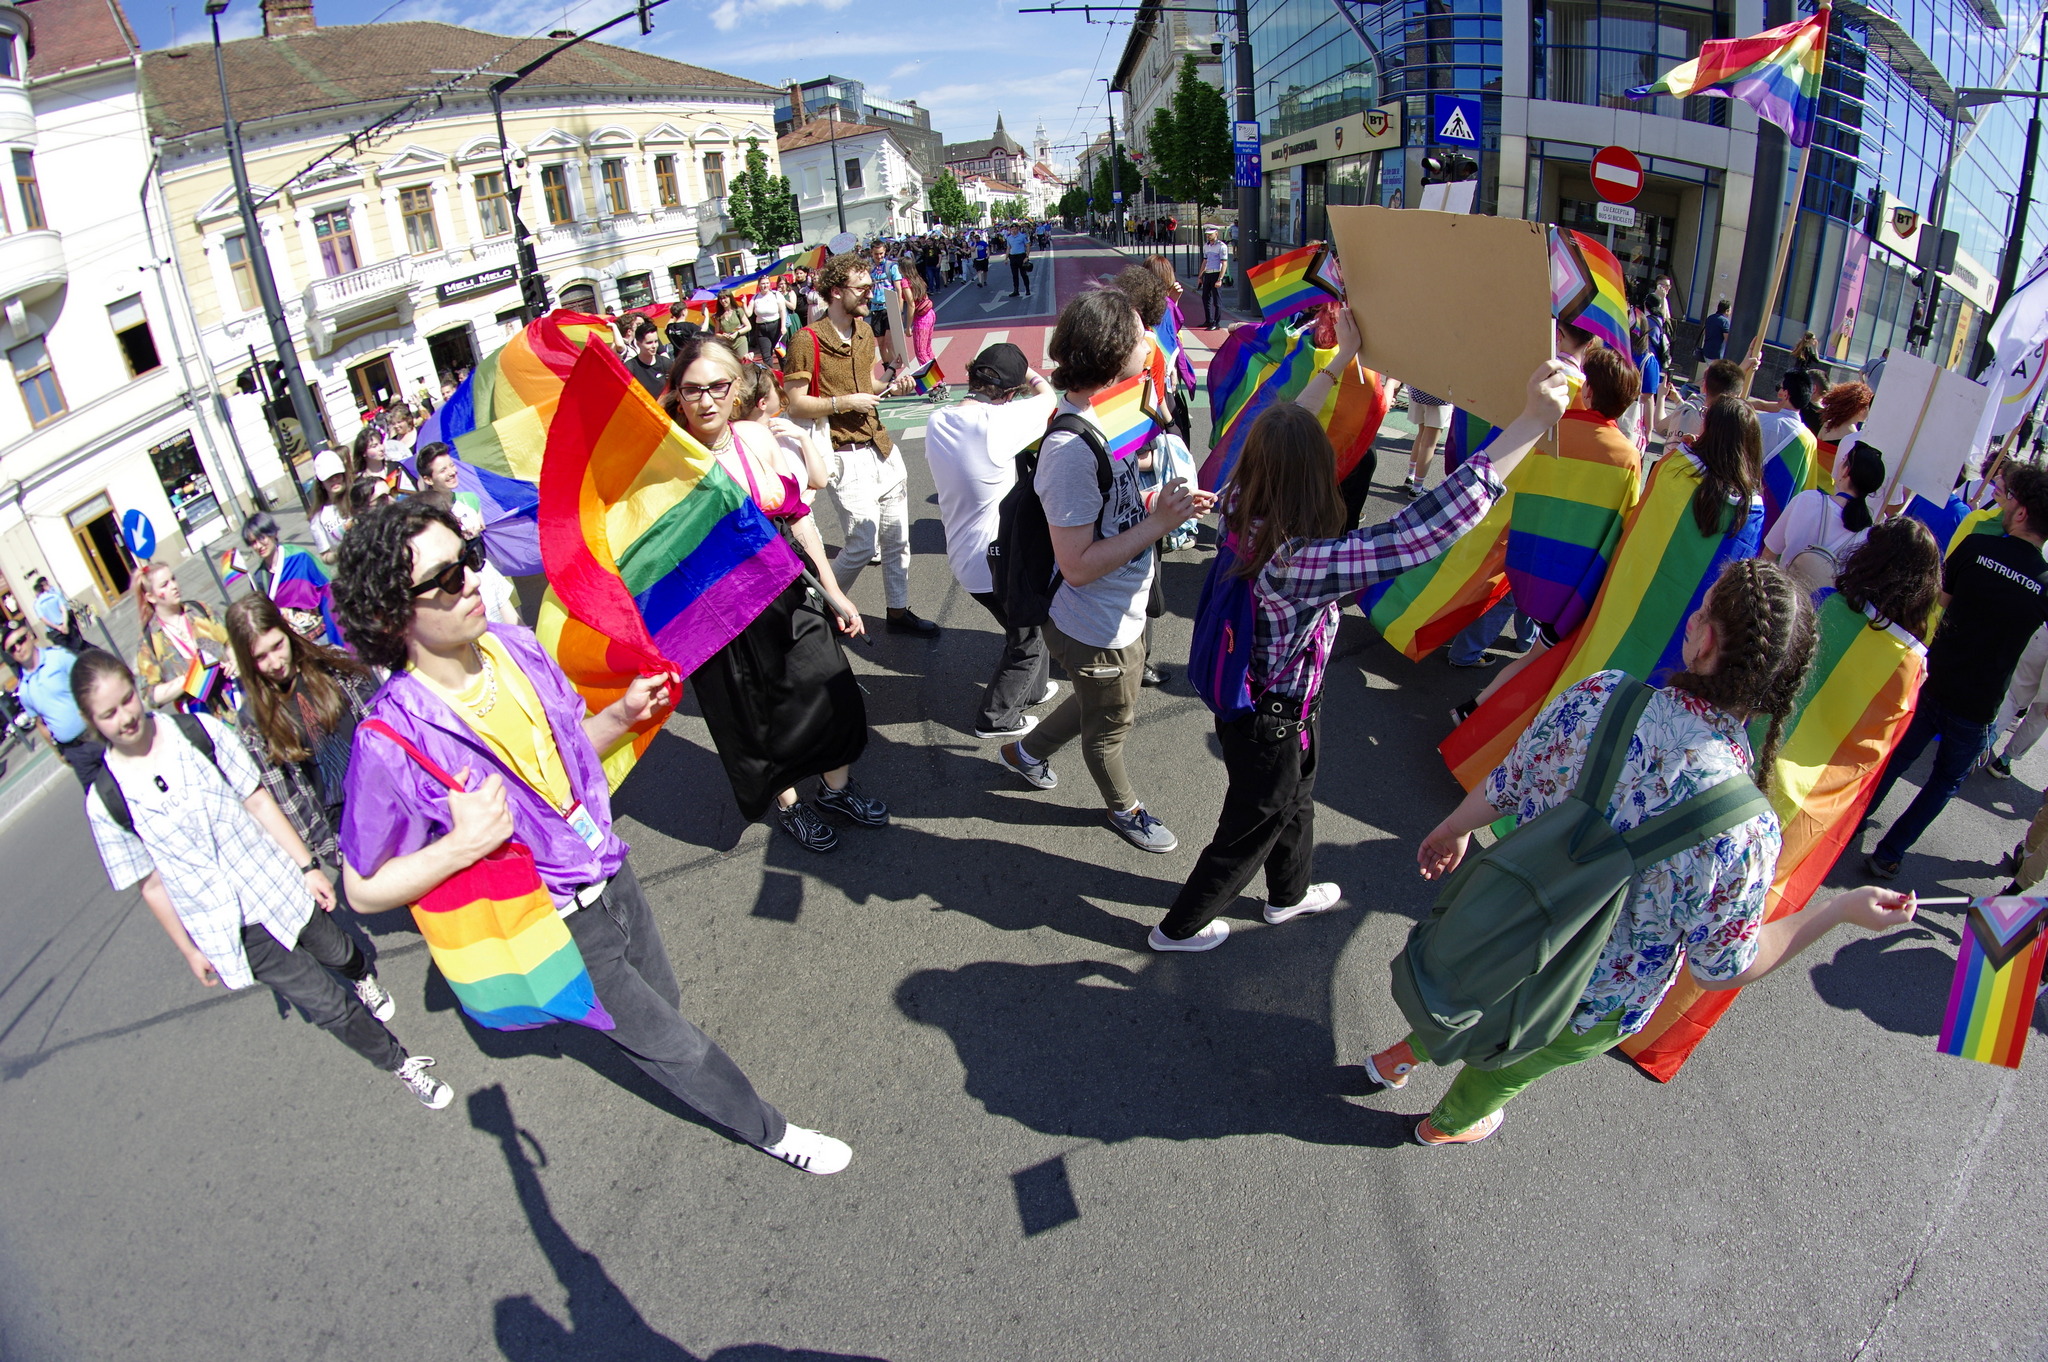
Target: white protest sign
1922	422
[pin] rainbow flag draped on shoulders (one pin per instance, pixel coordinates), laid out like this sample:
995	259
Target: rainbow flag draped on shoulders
1659	573
1791	463
1857	701
656	557
1776	72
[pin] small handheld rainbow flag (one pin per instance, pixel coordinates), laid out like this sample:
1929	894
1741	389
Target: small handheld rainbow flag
1777	73
1293	282
1605	311
1125	415
1571	284
1998	974
199	678
231	570
927	379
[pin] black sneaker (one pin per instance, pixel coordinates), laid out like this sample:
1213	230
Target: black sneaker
1460	713
1880	870
904	622
1154	676
2011	864
1483	660
811	832
1999	767
848	802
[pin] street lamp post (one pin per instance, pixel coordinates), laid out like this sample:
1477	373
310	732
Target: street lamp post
1116	183
832	135
311	428
1249	252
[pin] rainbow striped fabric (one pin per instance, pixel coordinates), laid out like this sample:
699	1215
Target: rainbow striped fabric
1857	701
1290	283
1605	311
1125	415
1998	974
1352	417
232	573
506	953
928	379
1660	571
656	557
1256	366
1791	465
1777	73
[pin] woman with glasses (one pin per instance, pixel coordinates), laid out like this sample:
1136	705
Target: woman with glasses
780	700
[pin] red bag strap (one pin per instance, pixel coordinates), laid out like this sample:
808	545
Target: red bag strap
379	726
817	358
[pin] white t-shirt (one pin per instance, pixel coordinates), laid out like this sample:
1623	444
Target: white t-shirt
327	527
1813	518
1108	612
1212	257
972	448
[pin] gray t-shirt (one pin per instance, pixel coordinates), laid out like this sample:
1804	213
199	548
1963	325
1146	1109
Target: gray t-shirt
1109	612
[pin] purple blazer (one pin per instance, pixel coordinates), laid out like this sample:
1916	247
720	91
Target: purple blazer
394	807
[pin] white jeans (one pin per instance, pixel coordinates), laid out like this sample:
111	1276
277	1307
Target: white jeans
2026	686
874	507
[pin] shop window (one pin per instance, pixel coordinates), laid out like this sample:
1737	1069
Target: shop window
684	277
665	181
613	172
554	187
242	270
185	482
32	218
493	210
37	380
580	298
337	243
416	206
1594	51
131	329
730	264
636	290
714	174
452	353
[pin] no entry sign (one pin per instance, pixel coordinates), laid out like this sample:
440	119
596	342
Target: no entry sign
1617	174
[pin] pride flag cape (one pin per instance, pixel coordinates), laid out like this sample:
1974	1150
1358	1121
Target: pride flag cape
656	557
1777	73
1255	367
1660	571
1791	465
1291	283
1353	415
301	584
1998	973
1858	699
1549	538
1125	415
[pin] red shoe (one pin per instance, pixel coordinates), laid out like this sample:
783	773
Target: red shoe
1426	1133
1389	1068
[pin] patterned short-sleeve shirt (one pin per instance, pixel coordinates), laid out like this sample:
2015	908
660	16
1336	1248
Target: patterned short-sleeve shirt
1703	905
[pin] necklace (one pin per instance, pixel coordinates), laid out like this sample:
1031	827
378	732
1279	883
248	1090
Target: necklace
490	700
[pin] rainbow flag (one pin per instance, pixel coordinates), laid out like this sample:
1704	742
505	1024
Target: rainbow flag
1256	366
1660	571
656	558
1791	464
199	677
1571	283
232	573
928	379
1291	283
1777	73
1998	976
1605	312
1125	414
1856	704
812	258
1352	417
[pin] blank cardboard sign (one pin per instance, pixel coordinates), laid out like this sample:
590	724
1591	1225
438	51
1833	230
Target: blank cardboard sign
1456	304
1922	421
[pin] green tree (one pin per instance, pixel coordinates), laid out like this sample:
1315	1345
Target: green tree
1009	210
1191	149
1128	179
761	206
948	204
1073	203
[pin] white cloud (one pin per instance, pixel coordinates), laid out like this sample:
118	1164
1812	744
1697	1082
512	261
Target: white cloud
726	15
246	22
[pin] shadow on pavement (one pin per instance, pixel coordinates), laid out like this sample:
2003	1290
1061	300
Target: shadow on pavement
603	1323
1900	981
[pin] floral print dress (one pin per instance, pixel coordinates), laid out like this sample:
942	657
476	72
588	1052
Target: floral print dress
1704	905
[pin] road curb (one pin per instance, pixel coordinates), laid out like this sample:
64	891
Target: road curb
18	794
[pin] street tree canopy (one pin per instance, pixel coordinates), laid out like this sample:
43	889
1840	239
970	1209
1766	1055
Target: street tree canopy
948	204
762	208
1191	148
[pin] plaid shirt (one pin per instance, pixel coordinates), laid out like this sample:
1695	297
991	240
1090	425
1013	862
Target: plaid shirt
296	784
1301	592
221	869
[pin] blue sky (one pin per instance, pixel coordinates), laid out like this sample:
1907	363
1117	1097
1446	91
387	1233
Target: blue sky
963	61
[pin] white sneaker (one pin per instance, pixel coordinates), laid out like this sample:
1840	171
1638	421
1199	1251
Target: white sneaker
811	1151
1051	693
375	998
430	1090
1025	723
1208	939
1320	898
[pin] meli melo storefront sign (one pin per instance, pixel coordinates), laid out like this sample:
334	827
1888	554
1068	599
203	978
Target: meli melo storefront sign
482	282
1374	130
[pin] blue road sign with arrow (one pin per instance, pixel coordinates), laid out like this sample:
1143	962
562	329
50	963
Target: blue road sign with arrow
138	534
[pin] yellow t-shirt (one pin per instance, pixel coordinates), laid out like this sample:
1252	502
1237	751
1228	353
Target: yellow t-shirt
515	726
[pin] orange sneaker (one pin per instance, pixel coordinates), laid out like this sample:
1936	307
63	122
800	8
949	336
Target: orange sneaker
1389	1068
1426	1133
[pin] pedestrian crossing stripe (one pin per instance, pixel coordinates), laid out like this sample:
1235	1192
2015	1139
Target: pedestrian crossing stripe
1455	128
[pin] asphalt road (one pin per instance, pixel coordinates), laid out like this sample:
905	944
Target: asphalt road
1065	1147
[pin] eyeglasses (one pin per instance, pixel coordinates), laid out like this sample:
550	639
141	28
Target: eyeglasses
717	392
452	578
17	640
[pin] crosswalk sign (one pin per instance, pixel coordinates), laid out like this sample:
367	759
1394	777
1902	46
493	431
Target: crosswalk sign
1457	121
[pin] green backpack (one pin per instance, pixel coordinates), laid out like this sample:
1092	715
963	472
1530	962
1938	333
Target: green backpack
1496	970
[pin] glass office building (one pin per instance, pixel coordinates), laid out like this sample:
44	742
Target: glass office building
1550	77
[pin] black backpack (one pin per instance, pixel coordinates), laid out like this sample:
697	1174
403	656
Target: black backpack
1023	573
109	789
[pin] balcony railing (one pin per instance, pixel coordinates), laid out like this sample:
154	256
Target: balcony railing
360	288
32	263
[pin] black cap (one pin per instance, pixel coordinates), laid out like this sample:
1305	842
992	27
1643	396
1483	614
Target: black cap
1000	367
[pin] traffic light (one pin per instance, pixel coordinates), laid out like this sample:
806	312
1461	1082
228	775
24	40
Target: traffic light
533	290
1448	167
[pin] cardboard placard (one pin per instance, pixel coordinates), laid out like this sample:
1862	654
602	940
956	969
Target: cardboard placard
1922	421
1456	304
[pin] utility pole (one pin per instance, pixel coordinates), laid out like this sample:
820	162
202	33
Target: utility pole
832	134
311	428
1116	179
2016	239
1248	249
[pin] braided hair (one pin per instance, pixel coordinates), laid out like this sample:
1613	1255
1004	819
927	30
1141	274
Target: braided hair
1764	621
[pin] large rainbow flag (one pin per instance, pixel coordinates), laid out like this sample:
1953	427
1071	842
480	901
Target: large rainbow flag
656	557
1256	366
1777	73
1998	975
1857	701
1660	571
1791	464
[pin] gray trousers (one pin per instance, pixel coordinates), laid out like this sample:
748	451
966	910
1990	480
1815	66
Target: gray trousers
1020	673
629	968
305	977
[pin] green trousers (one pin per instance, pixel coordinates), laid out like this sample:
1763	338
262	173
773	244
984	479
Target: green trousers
1476	1094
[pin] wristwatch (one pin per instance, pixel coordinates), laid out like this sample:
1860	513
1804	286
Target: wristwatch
310	866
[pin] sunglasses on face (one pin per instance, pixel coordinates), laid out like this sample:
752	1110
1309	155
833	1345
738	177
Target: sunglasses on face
18	641
451	578
717	392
